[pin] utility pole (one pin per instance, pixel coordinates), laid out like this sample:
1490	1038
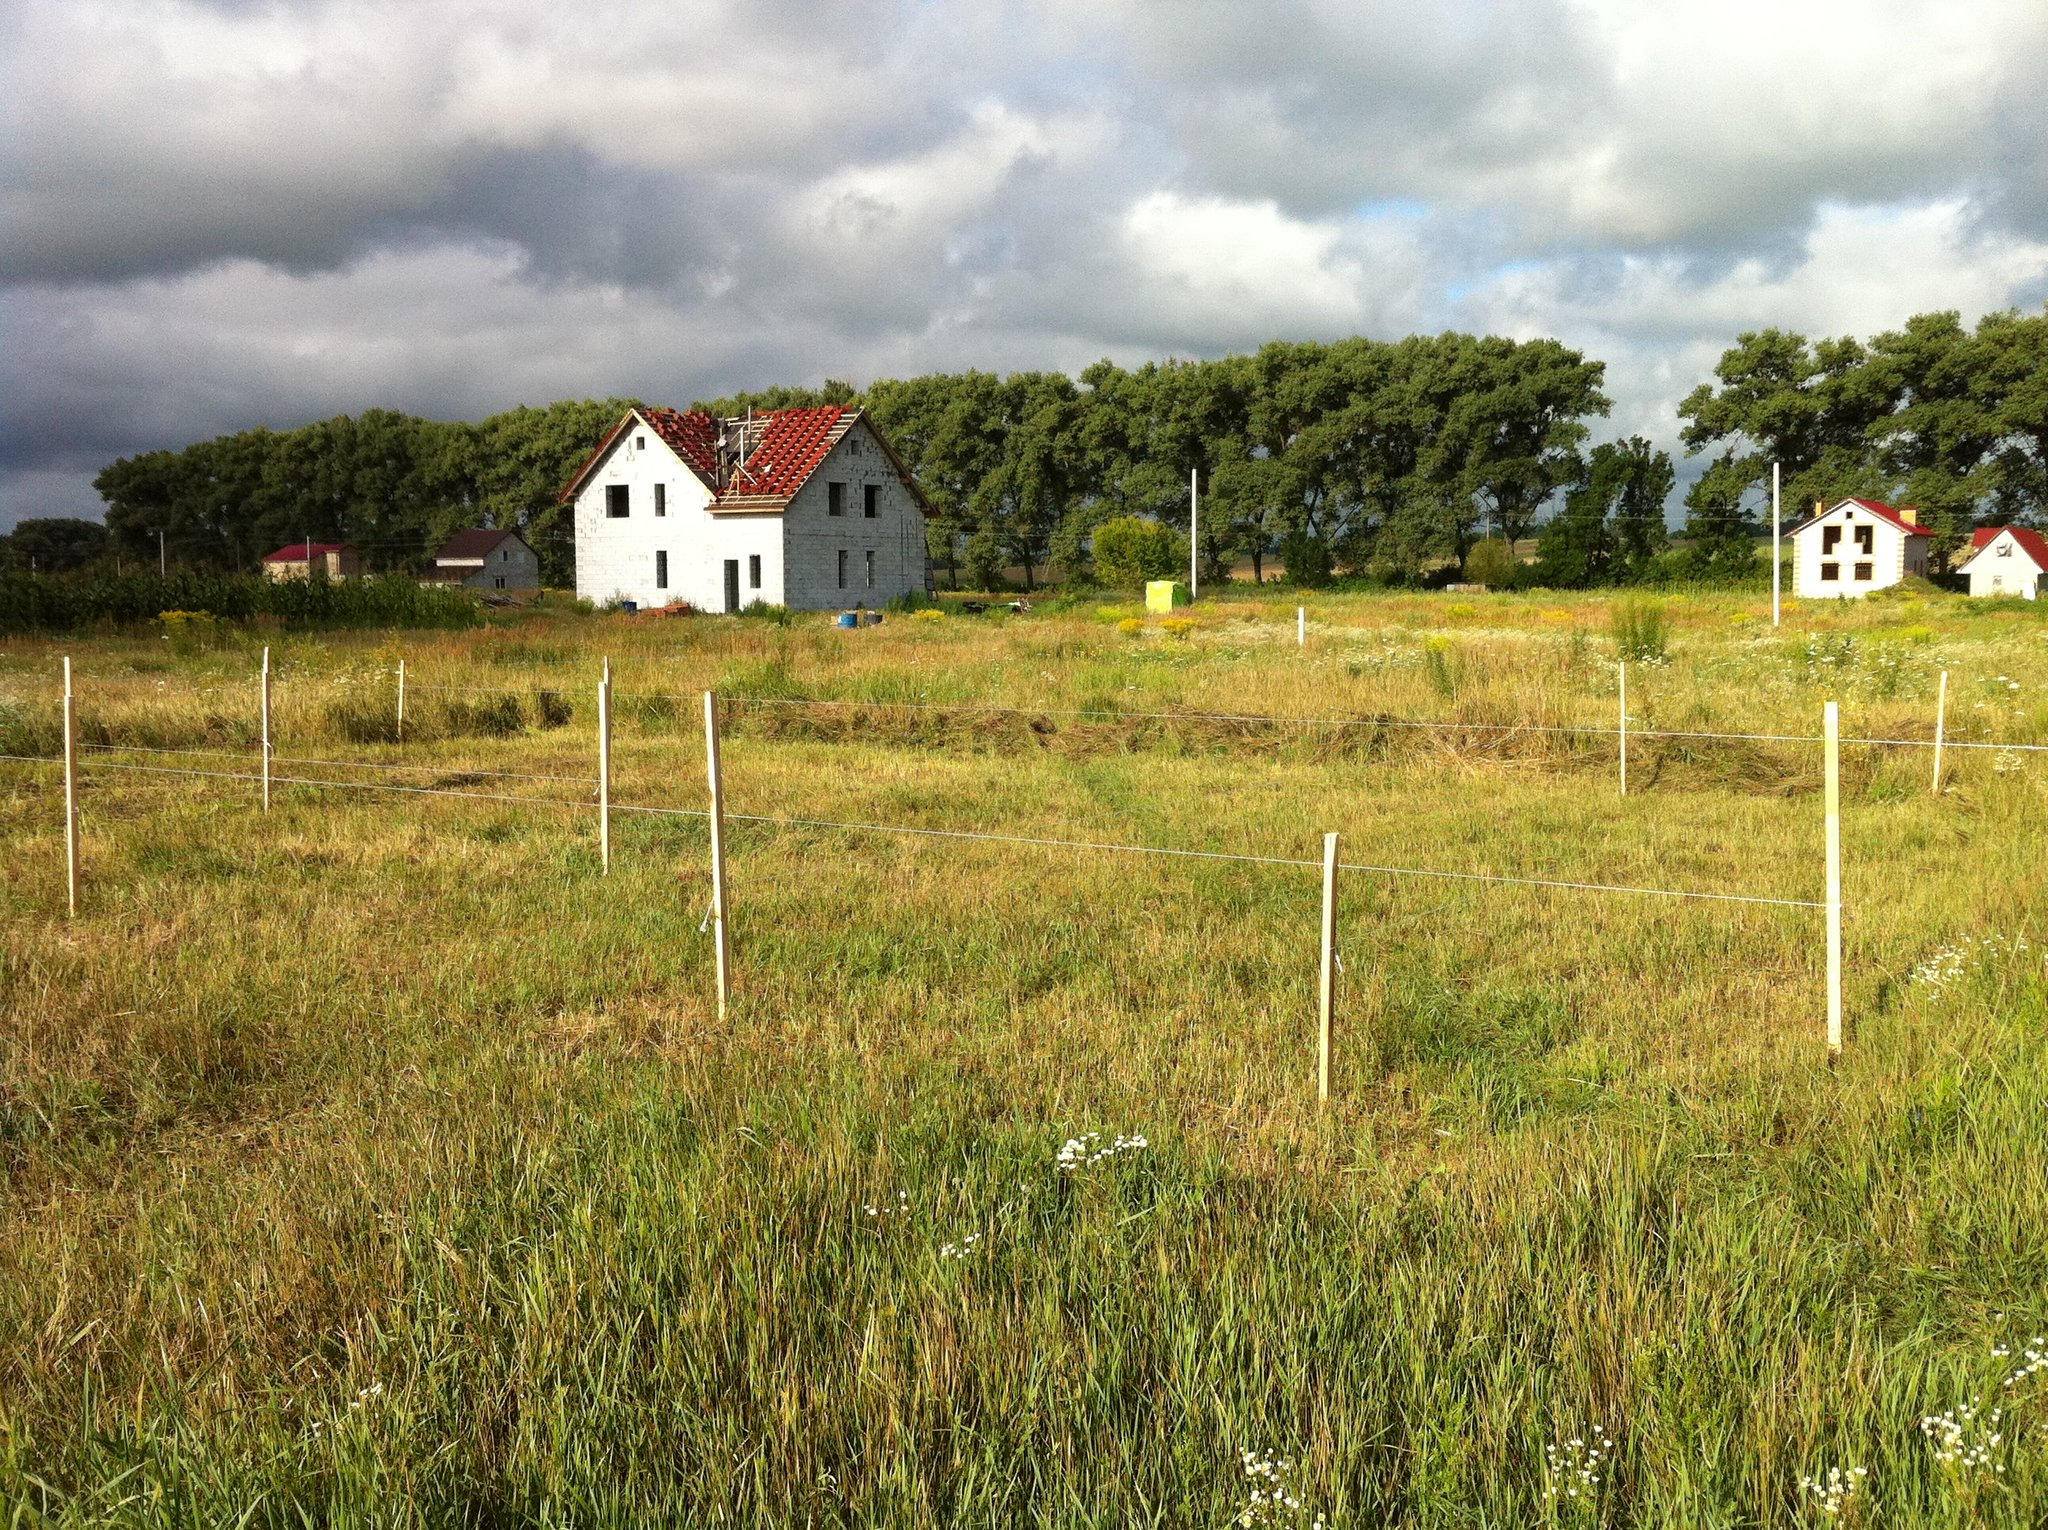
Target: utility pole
1777	561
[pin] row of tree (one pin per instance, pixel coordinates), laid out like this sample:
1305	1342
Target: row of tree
1948	418
1380	458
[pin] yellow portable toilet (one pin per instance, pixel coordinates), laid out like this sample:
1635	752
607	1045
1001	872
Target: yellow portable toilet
1164	594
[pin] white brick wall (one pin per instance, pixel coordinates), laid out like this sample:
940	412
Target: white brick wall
814	538
615	558
1892	556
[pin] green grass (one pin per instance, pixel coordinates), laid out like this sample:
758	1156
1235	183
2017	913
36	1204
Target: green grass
379	1162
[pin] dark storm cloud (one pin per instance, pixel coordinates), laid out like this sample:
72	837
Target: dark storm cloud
219	215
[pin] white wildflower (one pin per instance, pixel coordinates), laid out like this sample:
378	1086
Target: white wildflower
1086	1150
1836	1491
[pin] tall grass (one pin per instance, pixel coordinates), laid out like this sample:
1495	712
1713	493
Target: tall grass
75	602
378	1161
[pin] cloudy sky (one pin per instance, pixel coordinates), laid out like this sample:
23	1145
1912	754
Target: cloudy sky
217	215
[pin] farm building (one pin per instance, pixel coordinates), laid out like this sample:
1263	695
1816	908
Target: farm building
1859	546
487	560
806	508
337	560
2007	560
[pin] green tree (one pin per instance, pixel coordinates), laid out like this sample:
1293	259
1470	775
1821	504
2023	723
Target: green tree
1612	522
1131	549
53	545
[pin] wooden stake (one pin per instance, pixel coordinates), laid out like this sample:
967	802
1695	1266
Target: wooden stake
1623	667
1301	626
604	770
1328	991
266	728
70	792
1940	727
716	778
1831	730
401	701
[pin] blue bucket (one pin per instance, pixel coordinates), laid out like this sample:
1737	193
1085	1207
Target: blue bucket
849	619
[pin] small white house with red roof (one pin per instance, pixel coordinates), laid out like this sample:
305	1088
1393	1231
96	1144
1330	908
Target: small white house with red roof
805	508
2007	560
1858	546
337	560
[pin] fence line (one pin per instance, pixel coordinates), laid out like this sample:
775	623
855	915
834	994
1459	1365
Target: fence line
1273	720
979	835
292	759
1444	726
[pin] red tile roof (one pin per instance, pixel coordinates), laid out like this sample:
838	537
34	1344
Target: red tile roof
2032	543
692	437
793	443
1877	508
788	446
296	551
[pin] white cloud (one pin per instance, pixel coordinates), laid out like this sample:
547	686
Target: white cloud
214	214
1206	265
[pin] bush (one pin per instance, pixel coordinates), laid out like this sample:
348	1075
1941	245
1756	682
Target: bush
1641	631
1130	550
1491	563
67	602
1306	560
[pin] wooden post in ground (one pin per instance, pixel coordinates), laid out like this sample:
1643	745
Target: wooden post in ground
716	775
1301	626
265	690
70	792
401	701
1940	727
1328	988
1623	668
1831	731
604	771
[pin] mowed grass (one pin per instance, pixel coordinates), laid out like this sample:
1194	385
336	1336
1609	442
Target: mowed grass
379	1162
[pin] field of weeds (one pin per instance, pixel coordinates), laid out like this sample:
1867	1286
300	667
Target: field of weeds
377	1160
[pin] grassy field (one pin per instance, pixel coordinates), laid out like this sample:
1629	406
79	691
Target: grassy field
377	1161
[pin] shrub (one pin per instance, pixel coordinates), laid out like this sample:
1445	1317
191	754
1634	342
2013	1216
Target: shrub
1178	627
1641	632
1130	550
1491	563
1306	559
928	614
67	602
1130	626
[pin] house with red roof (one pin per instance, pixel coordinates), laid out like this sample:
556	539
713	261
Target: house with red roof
337	560
1858	546
806	508
2007	560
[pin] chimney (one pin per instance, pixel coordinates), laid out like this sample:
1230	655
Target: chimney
1910	514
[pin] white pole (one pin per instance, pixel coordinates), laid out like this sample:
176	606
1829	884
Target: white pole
265	691
1328	987
70	792
1777	561
1623	667
1194	533
401	701
604	771
716	777
1301	626
1940	727
1831	729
